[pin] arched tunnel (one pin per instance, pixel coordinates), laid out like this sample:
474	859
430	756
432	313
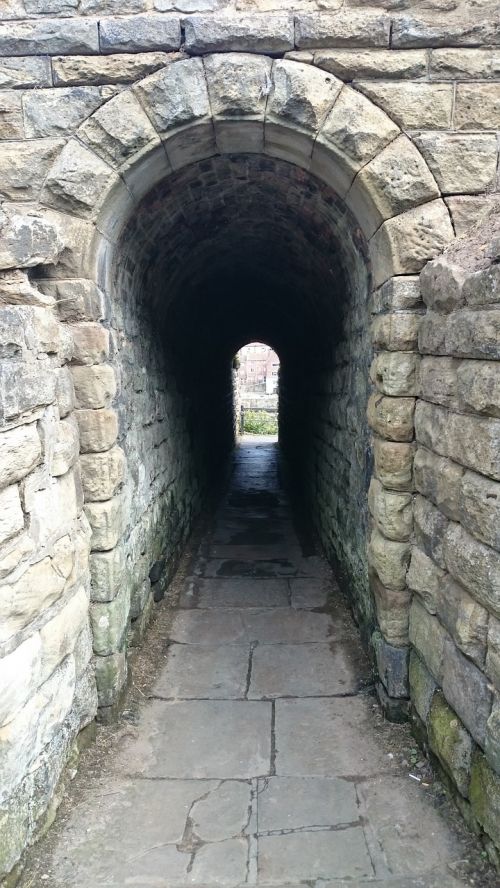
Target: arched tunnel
230	249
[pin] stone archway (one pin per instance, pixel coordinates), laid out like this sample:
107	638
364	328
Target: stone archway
230	104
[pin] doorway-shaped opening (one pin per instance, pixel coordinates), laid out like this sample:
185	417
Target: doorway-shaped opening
256	390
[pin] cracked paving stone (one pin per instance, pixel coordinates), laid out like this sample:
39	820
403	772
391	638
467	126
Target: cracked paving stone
303	670
201	739
224	813
224	863
313	855
299	802
210	672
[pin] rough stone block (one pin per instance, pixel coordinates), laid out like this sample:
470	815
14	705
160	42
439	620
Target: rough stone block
301	95
111	677
392	512
412	105
389	559
396	331
483	287
391	418
396	373
77	180
20	452
90	343
11	513
451	742
98	429
392	665
409	32
439	480
139	32
425	578
475	566
463	334
392	607
477	106
58	112
393	464
464	618
441	284
24	165
96	70
271	33
472	441
175	96
398	293
107	573
34	590
119	130
422	686
479	508
106	520
460	163
51	37
405	243
464	64
77	300
23	389
492	744
314	30
438	380
349	64
27	240
19	677
237	85
428	637
58	636
24	72
95	386
469	210
109	622
102	474
65	393
65	447
467	691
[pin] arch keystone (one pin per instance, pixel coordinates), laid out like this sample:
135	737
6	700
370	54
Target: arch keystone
238	85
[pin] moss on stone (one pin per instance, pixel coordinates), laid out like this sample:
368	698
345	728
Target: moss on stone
451	742
485	797
422	686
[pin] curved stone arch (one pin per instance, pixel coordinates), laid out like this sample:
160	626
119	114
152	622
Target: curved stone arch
240	103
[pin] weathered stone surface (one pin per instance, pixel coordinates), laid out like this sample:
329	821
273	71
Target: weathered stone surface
341	29
477	106
102	474
107	573
118	130
492	743
20	452
90	343
422	686
24	388
111	676
65	447
389	559
428	637
438	380
95	386
24	165
77	300
391	417
65	393
244	33
475	566
106	520
425	578
61	36
396	373
28	238
460	163
464	333
464	618
439	480
98	429
412	105
396	180
19	677
392	606
58	635
396	331
396	294
441	285
237	84
24	72
77	180
467	691
392	512
472	441
393	464
139	32
109	623
349	64
467	211
51	112
11	513
301	95
392	665
450	742
409	31
485	796
479	508
403	244
175	96
470	64
95	70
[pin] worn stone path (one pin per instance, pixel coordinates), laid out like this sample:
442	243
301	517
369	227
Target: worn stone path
256	761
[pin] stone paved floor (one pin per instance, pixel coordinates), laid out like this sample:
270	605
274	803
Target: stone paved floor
255	761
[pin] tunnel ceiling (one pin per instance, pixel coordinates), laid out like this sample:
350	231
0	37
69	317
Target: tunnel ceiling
235	248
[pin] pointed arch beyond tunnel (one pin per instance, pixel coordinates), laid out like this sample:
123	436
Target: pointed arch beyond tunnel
232	198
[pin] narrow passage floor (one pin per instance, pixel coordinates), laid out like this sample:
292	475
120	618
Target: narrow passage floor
260	757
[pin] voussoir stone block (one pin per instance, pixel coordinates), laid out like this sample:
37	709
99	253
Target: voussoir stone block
343	28
302	95
77	181
98	429
460	163
267	33
394	464
102	474
238	84
95	386
475	566
389	559
139	32
175	96
118	130
20	452
396	180
391	418
392	512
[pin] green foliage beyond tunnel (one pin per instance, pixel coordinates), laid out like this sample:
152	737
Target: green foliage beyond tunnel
258	422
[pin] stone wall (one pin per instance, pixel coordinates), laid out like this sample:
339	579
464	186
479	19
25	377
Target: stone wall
370	146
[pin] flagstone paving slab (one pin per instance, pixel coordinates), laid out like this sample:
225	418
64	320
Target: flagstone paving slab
197	671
